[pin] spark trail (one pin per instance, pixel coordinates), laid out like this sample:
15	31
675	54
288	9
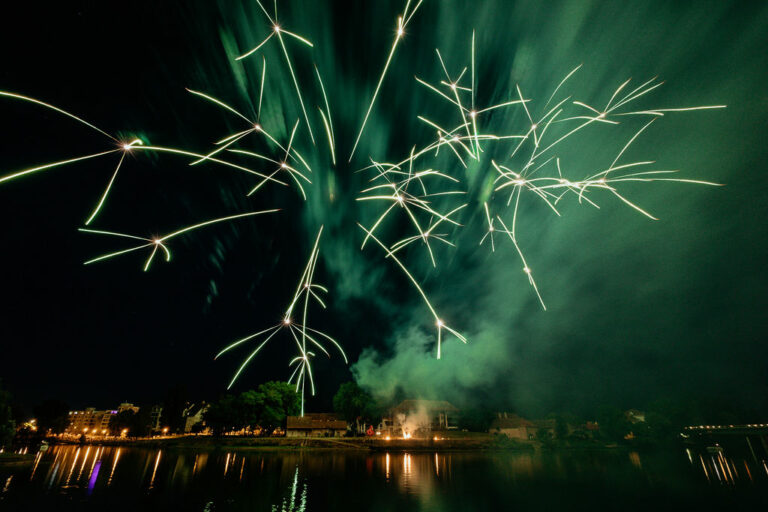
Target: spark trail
427	200
278	30
304	336
518	176
124	148
159	242
402	22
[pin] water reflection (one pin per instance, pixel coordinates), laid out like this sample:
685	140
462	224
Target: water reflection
121	477
721	467
7	484
154	471
114	466
295	502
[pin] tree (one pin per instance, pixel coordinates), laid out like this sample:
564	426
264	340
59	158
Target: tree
52	415
267	406
249	409
142	423
173	409
232	412
613	424
665	419
221	416
276	401
124	420
7	425
354	404
564	422
476	419
544	436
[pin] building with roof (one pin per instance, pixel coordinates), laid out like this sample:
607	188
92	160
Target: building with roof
315	425
517	427
419	417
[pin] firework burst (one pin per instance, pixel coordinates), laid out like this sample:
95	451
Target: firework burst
422	200
304	336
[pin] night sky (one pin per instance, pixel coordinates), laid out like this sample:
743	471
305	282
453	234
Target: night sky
637	310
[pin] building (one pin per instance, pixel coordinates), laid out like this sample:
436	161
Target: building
89	421
512	426
419	417
315	425
127	406
517	427
586	430
154	418
634	416
193	416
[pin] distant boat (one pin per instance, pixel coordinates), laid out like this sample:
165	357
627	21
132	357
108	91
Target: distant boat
43	446
715	449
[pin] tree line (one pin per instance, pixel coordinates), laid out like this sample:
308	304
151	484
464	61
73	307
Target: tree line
265	408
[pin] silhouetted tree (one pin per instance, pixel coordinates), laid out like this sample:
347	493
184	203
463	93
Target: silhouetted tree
544	436
276	401
563	423
7	425
52	415
267	407
122	421
249	408
613	424
173	409
142	423
665	419
221	416
354	404
234	412
476	419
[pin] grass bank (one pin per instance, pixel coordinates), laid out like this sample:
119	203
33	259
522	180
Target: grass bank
453	441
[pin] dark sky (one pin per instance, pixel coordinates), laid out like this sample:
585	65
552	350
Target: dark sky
637	310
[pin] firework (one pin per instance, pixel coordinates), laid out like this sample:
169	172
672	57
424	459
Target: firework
464	142
254	126
402	22
124	148
278	30
327	119
438	321
421	201
301	333
159	242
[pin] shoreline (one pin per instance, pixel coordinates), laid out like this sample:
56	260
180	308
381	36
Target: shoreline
478	442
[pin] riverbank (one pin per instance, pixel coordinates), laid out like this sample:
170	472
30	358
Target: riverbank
455	442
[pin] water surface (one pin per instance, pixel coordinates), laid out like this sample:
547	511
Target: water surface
113	478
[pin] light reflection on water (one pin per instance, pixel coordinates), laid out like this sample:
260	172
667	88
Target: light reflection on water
718	468
121	478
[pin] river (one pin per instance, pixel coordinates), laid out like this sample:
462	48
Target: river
125	478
